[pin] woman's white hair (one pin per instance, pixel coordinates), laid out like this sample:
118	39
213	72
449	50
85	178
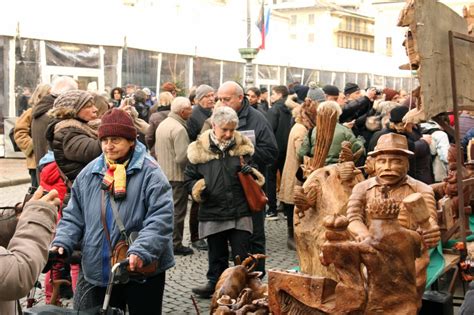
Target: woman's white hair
331	105
224	115
179	103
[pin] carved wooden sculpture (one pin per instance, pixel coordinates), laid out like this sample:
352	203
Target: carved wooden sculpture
426	43
468	14
387	287
325	192
391	251
448	202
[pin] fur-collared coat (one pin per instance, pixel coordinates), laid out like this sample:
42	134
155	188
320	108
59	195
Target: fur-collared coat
73	142
23	137
211	177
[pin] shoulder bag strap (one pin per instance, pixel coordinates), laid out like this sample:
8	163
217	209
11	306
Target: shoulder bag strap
102	217
117	218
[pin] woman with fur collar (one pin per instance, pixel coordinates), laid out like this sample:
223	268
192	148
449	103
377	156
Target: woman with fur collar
211	178
73	141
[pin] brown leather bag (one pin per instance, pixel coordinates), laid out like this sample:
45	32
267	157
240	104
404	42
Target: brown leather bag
256	198
119	252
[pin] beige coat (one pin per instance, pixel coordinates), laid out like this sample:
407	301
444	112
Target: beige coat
288	179
23	138
171	145
26	255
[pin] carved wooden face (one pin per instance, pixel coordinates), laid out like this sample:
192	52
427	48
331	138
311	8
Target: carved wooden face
390	168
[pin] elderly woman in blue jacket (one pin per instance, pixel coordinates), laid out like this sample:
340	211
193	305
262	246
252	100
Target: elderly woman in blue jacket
127	178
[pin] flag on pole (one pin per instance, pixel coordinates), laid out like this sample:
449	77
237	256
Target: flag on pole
262	25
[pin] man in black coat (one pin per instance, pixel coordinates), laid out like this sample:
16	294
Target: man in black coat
40	119
205	102
255	126
279	117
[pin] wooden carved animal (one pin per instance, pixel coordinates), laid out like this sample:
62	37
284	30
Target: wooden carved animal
235	279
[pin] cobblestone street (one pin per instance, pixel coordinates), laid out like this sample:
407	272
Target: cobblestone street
190	270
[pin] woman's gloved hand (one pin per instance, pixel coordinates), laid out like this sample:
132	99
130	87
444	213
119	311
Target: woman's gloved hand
246	169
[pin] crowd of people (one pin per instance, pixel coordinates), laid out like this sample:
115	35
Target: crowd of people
150	160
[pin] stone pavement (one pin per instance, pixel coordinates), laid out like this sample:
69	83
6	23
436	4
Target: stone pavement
13	172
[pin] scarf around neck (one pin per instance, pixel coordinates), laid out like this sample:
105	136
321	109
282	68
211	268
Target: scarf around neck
221	144
115	178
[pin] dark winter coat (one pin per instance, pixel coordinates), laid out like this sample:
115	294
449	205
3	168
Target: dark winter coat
74	144
279	117
355	109
197	119
155	120
223	198
39	124
254	122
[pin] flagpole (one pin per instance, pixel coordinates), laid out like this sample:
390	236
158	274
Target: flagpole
248	53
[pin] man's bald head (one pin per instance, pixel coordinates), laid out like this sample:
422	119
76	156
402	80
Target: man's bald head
230	93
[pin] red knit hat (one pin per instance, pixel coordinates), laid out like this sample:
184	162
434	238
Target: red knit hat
389	94
117	123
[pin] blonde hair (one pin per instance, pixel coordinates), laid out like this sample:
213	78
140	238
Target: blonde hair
331	105
41	91
101	103
165	99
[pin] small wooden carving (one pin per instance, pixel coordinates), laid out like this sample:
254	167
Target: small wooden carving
238	287
468	14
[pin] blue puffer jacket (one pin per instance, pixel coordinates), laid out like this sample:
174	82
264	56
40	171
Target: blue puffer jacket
148	209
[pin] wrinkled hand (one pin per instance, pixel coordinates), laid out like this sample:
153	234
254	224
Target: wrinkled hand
431	237
51	197
246	169
135	262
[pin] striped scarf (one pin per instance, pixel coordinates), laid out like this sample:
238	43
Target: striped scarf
221	144
115	178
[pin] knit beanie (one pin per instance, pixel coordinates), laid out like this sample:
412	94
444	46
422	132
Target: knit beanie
202	91
351	88
397	114
315	93
389	94
69	103
117	123
331	90
301	91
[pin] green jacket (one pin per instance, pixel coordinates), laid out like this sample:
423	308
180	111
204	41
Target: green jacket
340	134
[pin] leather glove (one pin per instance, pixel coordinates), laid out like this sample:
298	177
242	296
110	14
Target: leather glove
246	169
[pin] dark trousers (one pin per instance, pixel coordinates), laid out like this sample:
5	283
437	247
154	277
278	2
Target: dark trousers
180	199
34	177
218	252
193	222
141	298
289	210
271	184
257	240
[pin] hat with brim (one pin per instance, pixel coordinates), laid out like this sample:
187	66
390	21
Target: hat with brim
392	143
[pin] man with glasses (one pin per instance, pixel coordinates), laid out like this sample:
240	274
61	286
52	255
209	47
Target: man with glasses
255	126
205	101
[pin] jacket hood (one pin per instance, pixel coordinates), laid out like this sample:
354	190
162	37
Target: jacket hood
200	150
291	104
44	105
